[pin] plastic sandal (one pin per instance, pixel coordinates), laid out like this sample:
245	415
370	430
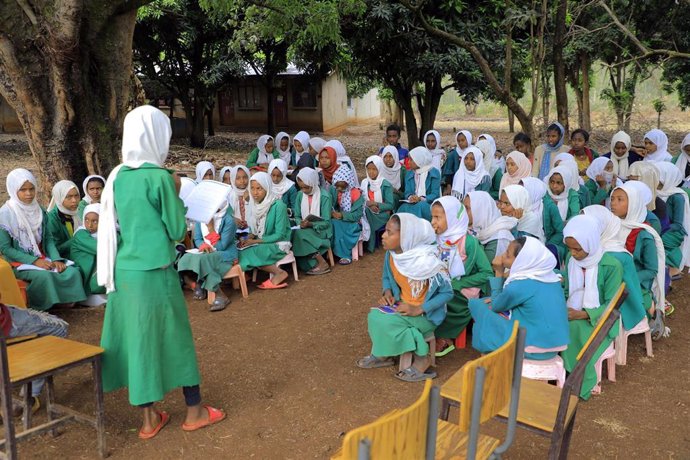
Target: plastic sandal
165	418
344	262
411	374
372	362
268	284
214	416
314	271
445	350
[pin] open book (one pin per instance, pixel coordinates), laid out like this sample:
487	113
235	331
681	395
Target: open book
205	200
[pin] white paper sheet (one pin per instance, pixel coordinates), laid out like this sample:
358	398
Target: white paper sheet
205	200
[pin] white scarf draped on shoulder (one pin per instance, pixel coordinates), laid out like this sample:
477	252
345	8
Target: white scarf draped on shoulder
583	289
533	262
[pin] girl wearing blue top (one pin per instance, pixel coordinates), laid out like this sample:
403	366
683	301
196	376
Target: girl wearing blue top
422	184
675	238
463	139
416	289
531	294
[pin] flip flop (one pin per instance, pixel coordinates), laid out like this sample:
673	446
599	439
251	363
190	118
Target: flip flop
319	272
411	374
372	362
268	284
214	416
165	418
344	262
445	351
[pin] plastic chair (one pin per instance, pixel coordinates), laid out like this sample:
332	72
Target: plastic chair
358	250
622	341
288	259
234	272
406	358
609	355
545	370
461	340
331	260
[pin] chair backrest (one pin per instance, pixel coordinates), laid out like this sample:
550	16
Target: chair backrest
498	367
400	434
615	303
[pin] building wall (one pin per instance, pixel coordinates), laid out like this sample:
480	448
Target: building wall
365	109
334	104
9	122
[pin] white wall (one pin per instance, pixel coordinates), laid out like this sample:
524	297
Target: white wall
365	108
334	104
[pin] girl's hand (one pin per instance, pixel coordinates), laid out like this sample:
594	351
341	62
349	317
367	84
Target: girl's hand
517	213
577	314
387	298
406	309
601	182
305	224
210	227
413	199
497	265
206	248
59	266
375	209
236	261
336	215
246	195
44	264
371	203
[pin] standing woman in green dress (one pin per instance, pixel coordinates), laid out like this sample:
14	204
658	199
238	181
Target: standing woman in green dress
25	239
313	212
269	240
92	188
147	337
378	196
62	215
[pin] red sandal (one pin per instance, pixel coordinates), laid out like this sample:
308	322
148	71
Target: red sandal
165	418
268	284
214	416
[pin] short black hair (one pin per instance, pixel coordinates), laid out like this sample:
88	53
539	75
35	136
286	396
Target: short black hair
519	244
554	127
584	133
522	137
393	127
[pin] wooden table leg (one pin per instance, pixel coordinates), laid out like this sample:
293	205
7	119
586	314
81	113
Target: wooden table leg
50	399
100	410
7	412
28	412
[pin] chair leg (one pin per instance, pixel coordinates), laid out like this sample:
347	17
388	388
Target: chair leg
28	413
50	399
254	276
294	270
461	340
355	253
565	442
100	408
330	257
243	285
648	344
621	345
611	368
445	409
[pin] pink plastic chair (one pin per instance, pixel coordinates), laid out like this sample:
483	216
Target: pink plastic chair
546	370
622	341
609	356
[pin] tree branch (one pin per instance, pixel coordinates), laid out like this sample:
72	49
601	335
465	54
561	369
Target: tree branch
28	11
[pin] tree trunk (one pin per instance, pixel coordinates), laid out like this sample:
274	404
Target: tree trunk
403	97
586	122
197	134
559	77
428	107
546	98
508	73
209	118
67	76
270	117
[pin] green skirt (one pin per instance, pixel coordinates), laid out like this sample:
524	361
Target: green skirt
209	268
673	241
93	287
305	243
147	336
47	288
393	334
376	221
458	316
259	256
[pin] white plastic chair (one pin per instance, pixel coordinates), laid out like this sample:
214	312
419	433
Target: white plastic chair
288	259
622	341
609	355
546	370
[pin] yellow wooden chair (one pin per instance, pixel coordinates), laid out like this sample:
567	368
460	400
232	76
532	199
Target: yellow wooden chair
543	408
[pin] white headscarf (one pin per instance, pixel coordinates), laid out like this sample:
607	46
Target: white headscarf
524	169
648	174
488	148
60	191
22	221
537	191
418	261
311	179
285	155
391	174
609	227
637	214
660	139
342	158
343	174
620	164
597	167
682	161
533	262
468	136
202	168
583	290
457	221
303	138
438	153
263	157
223	170
259	211
567	161
85	185
145	139
92	208
671	177
422	157
282	187
465	181
186	186
530	222
487	222
237	193
562	198
374	184
317	144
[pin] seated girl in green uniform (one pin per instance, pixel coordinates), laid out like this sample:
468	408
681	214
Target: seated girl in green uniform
263	153
92	188
645	175
524	288
313	213
269	240
348	208
394	173
85	248
463	140
647	248
283	188
378	196
487	145
493	230
415	289
551	221
422	184
205	171
566	160
602	180
216	254
516	202
283	147
25	239
467	266
471	174
559	187
675	238
592	280
62	215
239	196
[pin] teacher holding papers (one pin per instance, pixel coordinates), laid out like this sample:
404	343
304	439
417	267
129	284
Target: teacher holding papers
146	332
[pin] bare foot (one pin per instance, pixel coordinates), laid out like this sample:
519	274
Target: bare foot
421	363
151	420
280	277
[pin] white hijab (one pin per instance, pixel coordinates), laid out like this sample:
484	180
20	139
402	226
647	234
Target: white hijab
263	157
648	174
374	185
530	222
457	220
468	136
145	139
237	193
561	199
609	227
533	262
488	147
465	181
303	138
311	179
60	191
92	208
282	187
583	290
223	170
186	186
621	164
258	211
391	174
487	222
438	153
671	177
682	161
422	157
317	144
342	157
537	192
22	221
598	167
285	155
660	139
567	161
85	185
202	168
418	261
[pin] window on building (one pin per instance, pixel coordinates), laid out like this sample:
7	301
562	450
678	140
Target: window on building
249	96
304	95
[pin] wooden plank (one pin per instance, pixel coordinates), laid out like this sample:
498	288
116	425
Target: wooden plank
35	357
451	443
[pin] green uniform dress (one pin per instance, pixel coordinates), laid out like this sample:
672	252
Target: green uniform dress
574	206
632	308
654	221
316	239
553	226
596	195
585	197
432	185
80	209
646	265
673	237
268	252
147	337
254	156
496	184
346	231
59	227
211	267
399	194
477	274
46	288
289	198
379	220
84	250
609	279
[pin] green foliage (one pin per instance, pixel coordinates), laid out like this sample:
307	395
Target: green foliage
659	106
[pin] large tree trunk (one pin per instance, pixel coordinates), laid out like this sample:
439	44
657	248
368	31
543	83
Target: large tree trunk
197	136
508	73
428	106
559	77
66	72
270	117
403	98
586	122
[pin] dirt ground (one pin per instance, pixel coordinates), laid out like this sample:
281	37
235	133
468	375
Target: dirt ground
282	365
